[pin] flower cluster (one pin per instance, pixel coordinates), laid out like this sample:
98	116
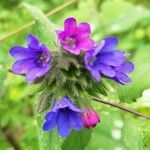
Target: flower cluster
101	60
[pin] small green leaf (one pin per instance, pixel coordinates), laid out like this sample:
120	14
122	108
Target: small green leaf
44	102
124	17
45	28
77	140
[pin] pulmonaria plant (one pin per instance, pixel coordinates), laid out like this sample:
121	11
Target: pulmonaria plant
33	61
75	38
78	80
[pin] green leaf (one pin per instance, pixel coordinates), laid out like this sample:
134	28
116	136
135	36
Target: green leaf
45	28
124	17
44	102
77	140
140	77
47	140
135	134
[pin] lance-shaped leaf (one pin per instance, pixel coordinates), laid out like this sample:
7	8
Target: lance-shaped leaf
44	27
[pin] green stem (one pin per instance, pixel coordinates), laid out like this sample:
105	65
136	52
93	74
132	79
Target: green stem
26	26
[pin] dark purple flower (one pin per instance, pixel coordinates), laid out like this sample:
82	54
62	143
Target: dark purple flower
34	61
65	115
105	60
75	38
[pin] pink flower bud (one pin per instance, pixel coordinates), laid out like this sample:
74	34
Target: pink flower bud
90	118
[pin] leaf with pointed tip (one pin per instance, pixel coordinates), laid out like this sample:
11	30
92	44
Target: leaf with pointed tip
45	28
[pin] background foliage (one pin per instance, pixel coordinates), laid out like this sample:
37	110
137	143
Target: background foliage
129	20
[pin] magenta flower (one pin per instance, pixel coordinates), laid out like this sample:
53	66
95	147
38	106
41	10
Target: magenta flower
105	60
33	61
65	115
75	38
90	118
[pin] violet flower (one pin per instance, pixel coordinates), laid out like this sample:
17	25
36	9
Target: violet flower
75	38
90	118
33	61
65	115
105	60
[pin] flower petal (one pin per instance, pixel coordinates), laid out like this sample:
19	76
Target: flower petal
126	67
20	52
49	116
114	58
61	36
33	42
75	50
110	44
46	52
86	44
75	121
23	66
70	25
83	30
67	102
122	78
62	124
106	70
95	73
99	47
50	124
37	72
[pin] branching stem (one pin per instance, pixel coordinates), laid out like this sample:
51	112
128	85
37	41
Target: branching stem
121	107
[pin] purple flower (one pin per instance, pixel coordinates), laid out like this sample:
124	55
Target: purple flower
65	115
105	60
34	61
75	37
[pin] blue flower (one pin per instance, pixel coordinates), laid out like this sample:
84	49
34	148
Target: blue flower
65	115
33	61
105	60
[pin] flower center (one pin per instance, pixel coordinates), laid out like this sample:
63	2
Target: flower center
70	42
42	58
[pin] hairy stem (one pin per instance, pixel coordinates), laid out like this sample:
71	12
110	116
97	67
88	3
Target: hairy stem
19	29
121	107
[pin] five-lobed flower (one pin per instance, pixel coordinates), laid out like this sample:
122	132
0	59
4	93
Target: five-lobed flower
105	60
75	38
65	115
33	61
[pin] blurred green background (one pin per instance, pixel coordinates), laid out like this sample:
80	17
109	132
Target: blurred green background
129	20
